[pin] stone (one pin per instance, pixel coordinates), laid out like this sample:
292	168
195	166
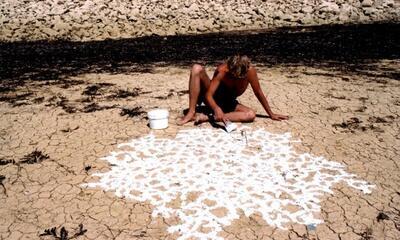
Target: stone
329	7
370	11
366	3
307	9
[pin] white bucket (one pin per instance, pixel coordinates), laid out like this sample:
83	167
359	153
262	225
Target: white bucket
158	118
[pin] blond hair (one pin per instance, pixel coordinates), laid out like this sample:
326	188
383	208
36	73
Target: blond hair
238	65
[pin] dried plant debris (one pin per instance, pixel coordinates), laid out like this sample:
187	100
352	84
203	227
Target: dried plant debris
361	109
330	95
38	100
15	99
4	88
69	83
354	124
2	178
93	107
382	216
68	129
121	93
61	101
6	161
367	234
132	112
34	157
387	119
96	89
172	92
87	168
63	234
141	234
333	108
183	92
351	124
31	158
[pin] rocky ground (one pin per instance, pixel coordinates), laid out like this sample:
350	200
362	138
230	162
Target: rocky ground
104	19
65	105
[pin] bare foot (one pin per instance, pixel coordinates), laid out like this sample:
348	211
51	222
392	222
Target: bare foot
200	118
187	118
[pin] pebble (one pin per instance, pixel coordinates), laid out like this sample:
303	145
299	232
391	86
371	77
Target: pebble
54	19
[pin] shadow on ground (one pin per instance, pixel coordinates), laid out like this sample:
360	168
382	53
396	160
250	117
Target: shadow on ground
353	48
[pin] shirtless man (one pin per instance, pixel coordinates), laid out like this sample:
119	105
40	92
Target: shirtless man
230	80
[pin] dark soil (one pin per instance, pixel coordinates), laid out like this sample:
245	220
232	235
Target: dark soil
346	48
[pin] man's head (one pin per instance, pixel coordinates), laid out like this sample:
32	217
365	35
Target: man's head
238	65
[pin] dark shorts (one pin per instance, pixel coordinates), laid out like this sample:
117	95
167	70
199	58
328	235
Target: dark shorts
224	98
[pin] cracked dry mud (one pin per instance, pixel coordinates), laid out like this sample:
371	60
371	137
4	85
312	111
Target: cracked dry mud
351	119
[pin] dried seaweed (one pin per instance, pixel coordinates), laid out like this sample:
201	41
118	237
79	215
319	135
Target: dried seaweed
61	101
333	108
351	124
367	234
63	234
382	216
87	168
377	120
183	92
34	157
38	100
330	95
66	130
93	107
361	109
6	161
68	83
170	94
354	124
2	178
94	90
132	112
126	93
141	234
15	99
91	90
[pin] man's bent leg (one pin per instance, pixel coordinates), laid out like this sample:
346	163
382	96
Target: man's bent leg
198	84
241	114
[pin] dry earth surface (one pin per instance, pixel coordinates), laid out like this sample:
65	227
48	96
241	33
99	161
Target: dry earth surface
349	119
54	130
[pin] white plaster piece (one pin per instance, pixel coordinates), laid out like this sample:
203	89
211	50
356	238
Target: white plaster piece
257	172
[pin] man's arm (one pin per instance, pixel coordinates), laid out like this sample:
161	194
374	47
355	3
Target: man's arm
255	85
218	113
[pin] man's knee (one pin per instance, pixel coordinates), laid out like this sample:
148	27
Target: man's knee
250	115
197	68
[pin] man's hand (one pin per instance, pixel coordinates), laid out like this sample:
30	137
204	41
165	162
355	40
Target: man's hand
279	117
219	115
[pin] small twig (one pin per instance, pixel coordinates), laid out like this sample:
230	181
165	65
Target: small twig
1	183
64	167
244	133
18	173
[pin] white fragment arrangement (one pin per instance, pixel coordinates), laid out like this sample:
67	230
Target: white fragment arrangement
204	176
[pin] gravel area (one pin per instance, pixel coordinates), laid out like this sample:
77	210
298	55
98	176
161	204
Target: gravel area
109	19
